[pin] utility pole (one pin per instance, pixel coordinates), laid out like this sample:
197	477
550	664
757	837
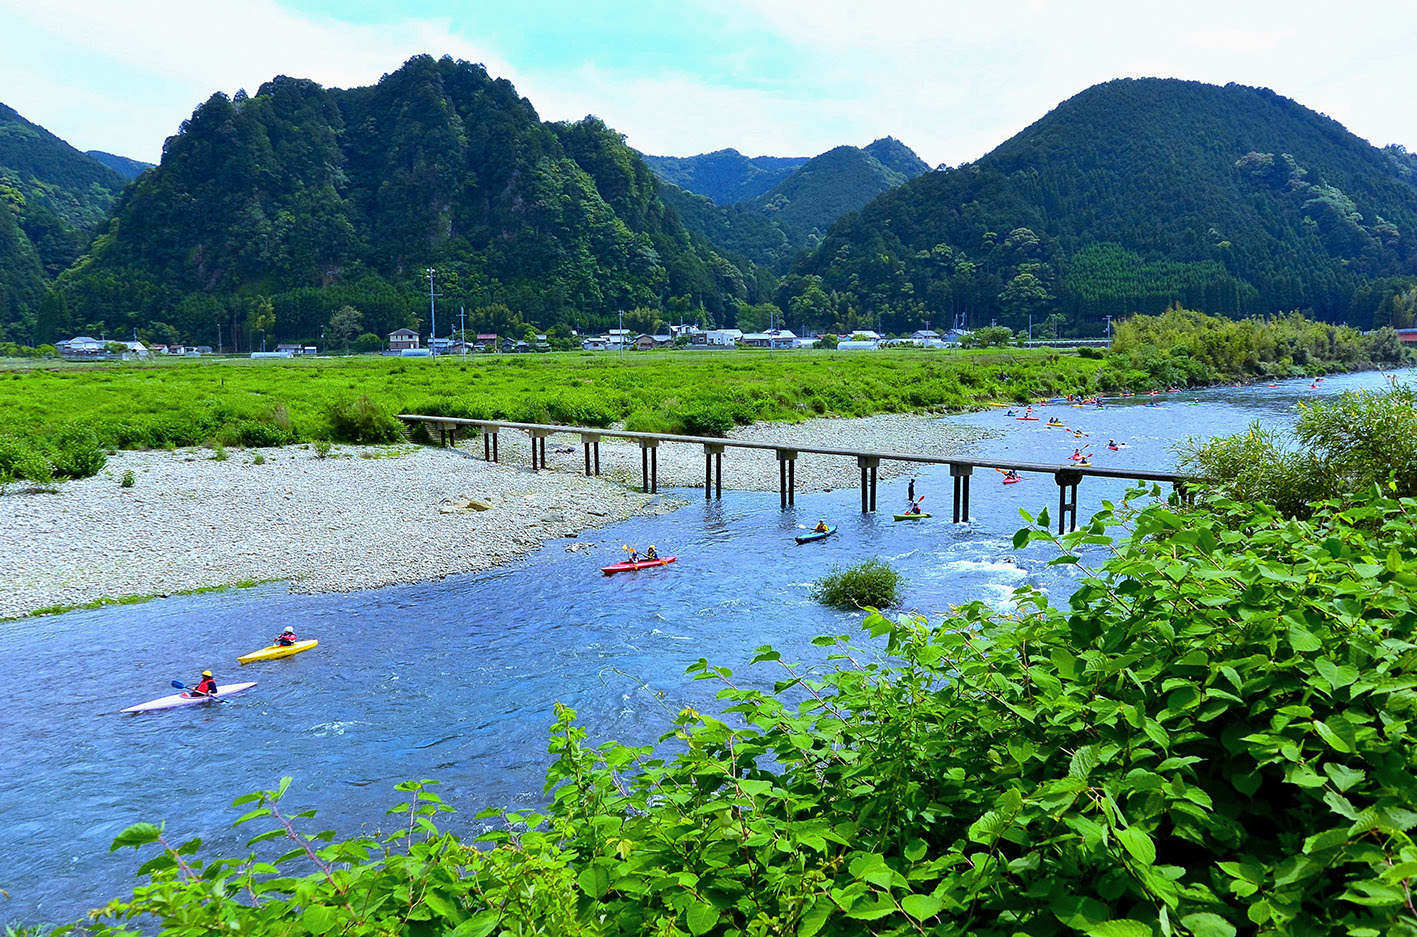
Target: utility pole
1109	329
323	348
432	317
621	336
462	318
218	336
1030	327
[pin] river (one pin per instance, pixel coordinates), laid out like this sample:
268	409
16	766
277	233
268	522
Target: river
456	680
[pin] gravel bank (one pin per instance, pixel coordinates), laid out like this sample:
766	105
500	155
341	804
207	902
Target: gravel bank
330	525
682	464
369	517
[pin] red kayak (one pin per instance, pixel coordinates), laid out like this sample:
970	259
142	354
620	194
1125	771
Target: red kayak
1013	481
628	567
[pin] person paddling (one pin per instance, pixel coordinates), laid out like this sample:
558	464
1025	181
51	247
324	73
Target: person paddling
286	638
651	553
821	527
206	686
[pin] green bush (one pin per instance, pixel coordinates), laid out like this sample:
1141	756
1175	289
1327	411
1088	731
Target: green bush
368	342
218	452
361	420
1341	448
77	454
322	448
872	584
129	479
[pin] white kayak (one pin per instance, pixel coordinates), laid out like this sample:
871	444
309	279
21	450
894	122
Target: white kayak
186	699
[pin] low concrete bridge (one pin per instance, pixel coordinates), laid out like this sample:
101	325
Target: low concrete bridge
1067	476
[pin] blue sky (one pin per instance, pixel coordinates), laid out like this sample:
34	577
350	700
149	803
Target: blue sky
790	77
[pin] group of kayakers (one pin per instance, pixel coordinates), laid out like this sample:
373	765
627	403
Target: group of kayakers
207	685
650	554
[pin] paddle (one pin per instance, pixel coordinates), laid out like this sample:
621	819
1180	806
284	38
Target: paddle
179	685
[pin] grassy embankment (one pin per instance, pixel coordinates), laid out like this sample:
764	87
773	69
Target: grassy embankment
266	402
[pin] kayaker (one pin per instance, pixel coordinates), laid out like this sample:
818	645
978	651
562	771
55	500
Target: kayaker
286	638
634	554
1077	455
1011	474
914	508
206	686
651	553
821	527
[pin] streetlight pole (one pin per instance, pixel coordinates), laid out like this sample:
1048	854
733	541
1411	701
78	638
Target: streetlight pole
432	317
621	335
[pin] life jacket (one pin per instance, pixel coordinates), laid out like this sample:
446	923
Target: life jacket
285	640
206	687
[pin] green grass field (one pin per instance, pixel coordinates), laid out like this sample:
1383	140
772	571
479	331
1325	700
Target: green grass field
247	402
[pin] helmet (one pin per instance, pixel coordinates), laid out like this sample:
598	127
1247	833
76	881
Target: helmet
651	546
289	630
206	673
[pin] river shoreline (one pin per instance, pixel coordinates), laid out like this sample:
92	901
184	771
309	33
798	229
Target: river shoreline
367	517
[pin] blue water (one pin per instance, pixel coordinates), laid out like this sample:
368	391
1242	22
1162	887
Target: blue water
456	680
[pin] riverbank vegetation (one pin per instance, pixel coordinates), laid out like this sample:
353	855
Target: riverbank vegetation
1210	737
1339	449
1183	348
270	403
63	415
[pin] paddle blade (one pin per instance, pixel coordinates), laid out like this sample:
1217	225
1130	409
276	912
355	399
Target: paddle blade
178	685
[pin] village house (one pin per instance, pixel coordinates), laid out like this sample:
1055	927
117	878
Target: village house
403	340
646	342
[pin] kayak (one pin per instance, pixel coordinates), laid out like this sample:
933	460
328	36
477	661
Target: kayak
276	651
1034	418
910	517
1055	425
627	567
811	535
186	699
1013	481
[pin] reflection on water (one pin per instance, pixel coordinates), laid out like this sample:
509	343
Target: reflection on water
456	679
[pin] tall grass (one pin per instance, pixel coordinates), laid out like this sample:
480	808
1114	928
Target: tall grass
266	403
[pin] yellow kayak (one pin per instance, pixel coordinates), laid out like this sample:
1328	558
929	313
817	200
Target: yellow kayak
275	651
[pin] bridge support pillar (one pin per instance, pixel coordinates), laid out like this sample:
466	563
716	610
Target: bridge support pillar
649	464
1067	499
869	465
489	442
713	471
591	443
960	472
787	477
538	448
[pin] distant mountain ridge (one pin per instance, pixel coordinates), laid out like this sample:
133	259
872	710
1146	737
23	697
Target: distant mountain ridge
129	169
791	214
1133	195
725	177
51	198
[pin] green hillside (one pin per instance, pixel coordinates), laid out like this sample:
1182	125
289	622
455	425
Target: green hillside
725	177
269	213
1131	196
51	197
129	169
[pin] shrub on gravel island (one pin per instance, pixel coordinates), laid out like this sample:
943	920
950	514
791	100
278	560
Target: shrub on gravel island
1213	736
872	584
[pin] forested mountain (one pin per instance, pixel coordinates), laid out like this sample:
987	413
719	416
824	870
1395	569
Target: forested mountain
129	169
1131	196
268	213
791	216
725	177
51	197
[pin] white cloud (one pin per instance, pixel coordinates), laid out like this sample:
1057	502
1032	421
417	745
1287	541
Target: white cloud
791	77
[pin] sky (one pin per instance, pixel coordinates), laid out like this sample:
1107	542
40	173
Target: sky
766	77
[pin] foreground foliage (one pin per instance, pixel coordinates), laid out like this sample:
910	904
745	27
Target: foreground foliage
1212	737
